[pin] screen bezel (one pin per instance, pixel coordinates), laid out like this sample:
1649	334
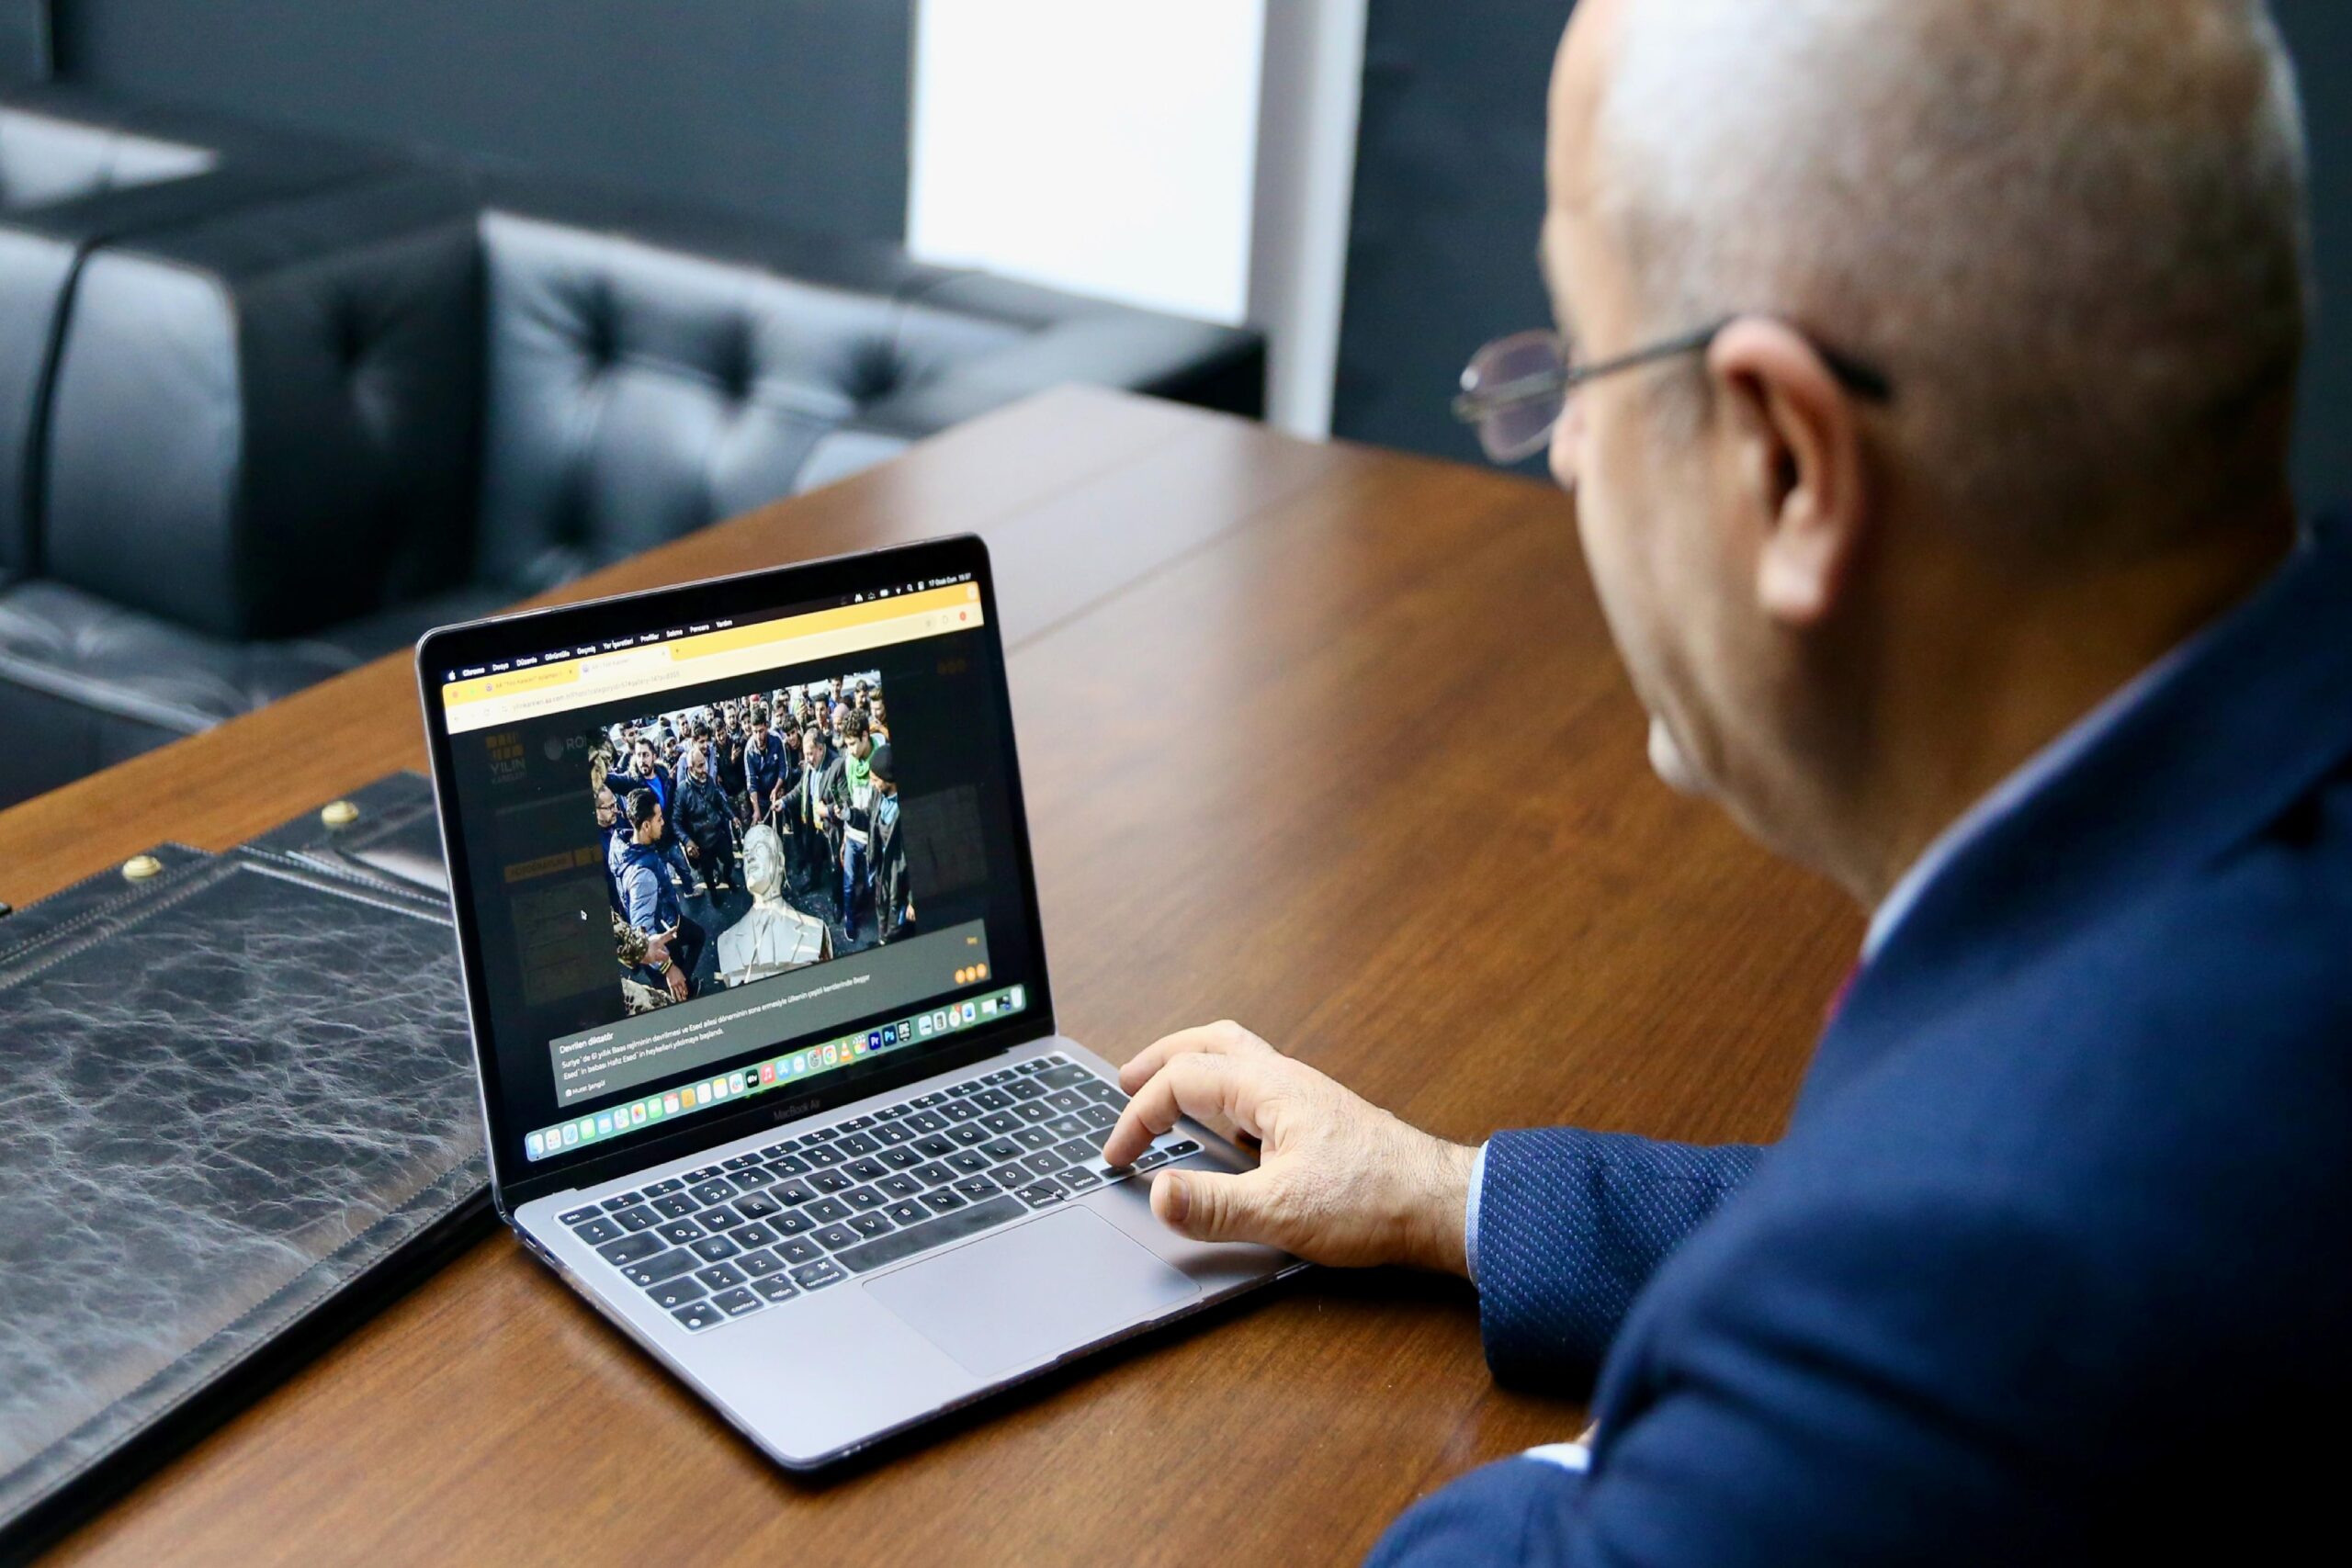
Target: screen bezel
760	594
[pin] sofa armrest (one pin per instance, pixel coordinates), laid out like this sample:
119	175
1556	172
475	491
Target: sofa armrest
80	171
302	379
1062	338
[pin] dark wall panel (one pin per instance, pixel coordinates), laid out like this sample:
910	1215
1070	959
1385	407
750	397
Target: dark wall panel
793	108
1449	193
2320	33
23	42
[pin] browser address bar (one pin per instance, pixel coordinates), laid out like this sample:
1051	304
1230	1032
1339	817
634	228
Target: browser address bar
645	671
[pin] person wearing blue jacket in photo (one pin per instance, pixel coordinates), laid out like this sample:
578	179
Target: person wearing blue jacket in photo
649	903
647	772
765	764
1923	374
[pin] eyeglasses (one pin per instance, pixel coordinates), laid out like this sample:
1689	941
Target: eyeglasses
1515	389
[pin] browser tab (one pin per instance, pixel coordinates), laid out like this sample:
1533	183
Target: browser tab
629	668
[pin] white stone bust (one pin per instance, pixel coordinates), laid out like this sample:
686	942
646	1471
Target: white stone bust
773	936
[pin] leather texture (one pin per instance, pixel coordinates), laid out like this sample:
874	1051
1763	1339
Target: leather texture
638	392
652	369
370	400
303	375
236	1089
50	154
395	841
90	683
78	171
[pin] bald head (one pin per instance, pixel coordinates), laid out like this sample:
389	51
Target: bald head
2072	234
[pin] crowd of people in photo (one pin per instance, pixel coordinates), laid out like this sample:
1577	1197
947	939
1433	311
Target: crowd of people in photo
750	837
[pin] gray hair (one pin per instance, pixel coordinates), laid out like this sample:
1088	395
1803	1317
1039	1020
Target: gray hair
2073	231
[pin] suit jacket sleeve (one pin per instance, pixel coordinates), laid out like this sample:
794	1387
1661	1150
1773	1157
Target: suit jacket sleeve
1571	1225
1862	1383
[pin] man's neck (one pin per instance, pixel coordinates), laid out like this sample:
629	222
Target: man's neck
1982	705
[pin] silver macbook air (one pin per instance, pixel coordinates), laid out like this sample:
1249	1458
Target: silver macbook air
766	1039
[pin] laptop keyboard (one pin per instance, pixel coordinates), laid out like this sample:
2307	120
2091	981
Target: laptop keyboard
725	1240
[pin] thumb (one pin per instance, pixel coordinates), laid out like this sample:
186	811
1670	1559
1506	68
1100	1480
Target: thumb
1208	1206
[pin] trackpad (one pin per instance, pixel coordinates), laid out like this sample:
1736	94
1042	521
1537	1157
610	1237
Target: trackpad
1032	1293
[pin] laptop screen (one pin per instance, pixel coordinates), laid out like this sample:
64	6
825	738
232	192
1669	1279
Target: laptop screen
712	858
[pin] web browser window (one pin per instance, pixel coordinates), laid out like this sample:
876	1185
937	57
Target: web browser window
717	859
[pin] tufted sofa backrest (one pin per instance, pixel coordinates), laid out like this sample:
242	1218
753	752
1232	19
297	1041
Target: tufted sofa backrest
279	419
637	391
266	424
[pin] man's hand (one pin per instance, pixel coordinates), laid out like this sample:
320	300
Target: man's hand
694	851
676	978
1339	1179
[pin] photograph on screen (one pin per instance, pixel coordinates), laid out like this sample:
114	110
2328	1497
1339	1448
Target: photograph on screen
748	838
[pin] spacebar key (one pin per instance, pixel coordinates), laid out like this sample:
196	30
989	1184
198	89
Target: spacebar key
948	1227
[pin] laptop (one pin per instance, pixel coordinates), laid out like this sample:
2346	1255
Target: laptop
766	1045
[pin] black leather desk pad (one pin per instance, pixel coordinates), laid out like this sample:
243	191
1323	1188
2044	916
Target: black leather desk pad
241	1115
394	841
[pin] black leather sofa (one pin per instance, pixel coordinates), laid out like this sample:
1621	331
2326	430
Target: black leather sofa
286	437
78	172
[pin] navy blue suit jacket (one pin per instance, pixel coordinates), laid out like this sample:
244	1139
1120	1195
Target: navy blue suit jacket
2056	1257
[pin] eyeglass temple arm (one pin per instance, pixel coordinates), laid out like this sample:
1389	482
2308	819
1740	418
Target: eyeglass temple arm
1858	378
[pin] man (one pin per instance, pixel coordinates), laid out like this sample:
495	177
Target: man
808	850
787	780
894	909
646	770
613	827
878	718
845	812
787	739
651	904
704	822
649	773
727	762
1958	561
711	731
762	764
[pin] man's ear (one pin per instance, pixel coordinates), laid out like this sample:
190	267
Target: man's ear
1801	460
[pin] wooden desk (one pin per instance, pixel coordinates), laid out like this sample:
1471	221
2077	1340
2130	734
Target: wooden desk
1327	740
